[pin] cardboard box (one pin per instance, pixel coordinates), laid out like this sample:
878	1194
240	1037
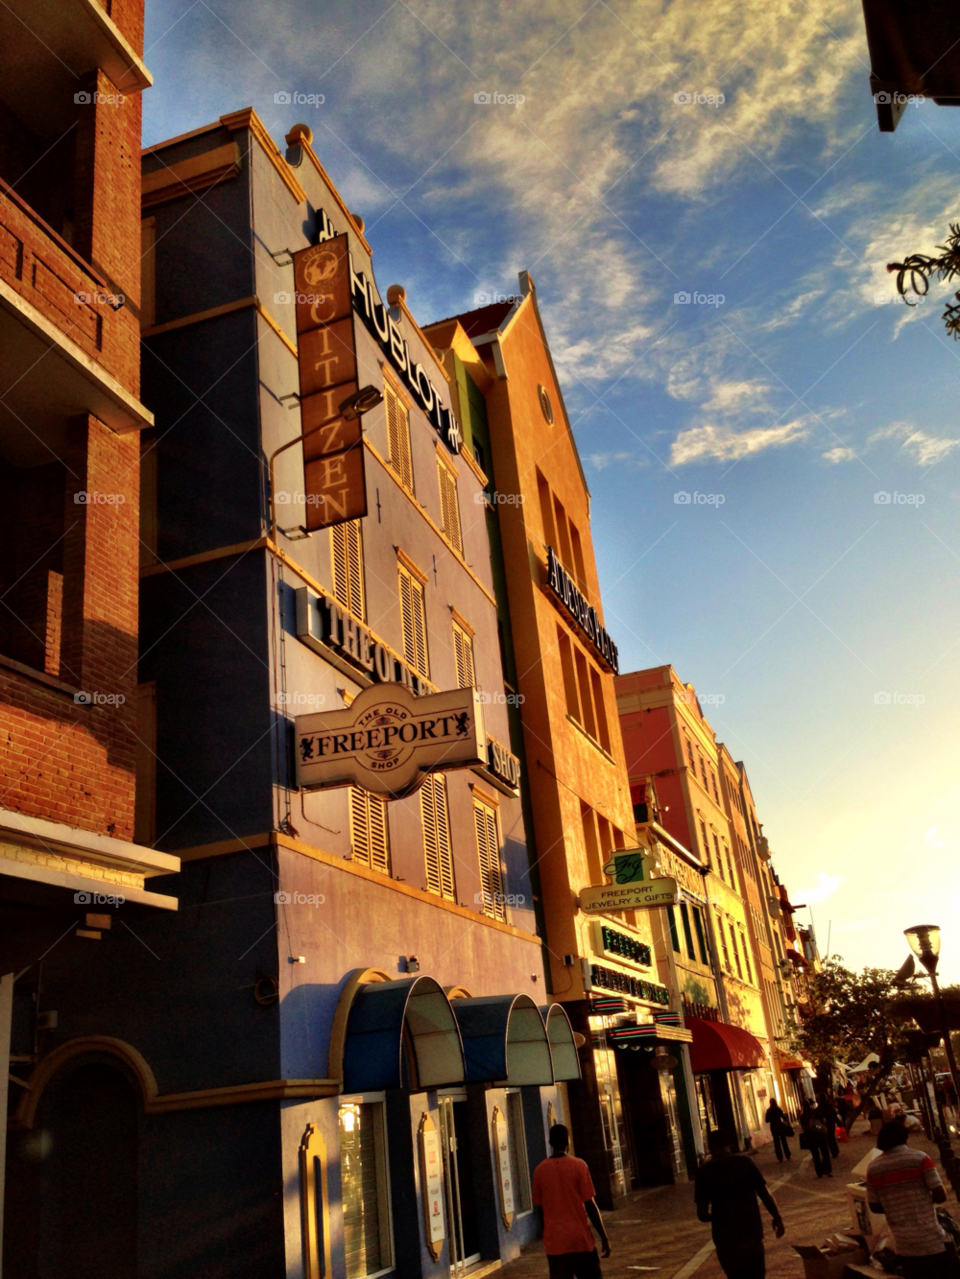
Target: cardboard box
818	1264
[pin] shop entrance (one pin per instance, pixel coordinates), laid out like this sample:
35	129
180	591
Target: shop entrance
461	1203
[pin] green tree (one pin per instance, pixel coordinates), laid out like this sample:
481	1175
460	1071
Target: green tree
848	1016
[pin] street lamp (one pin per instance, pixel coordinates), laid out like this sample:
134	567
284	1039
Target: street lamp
924	941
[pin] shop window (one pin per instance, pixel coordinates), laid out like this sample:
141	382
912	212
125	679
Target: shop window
488	850
437	846
586	701
687	934
369	830
546	512
519	1167
449	505
413	620
367	1236
569	675
603	732
463	657
398	437
346	542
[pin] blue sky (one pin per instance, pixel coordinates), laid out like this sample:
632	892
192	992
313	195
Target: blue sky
799	600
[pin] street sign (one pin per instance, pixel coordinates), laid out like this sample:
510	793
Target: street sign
603	898
388	740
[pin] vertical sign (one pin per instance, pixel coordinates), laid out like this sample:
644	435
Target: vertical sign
431	1185
501	1142
333	468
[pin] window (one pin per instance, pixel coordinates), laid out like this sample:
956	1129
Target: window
561	518
398	437
346	544
569	675
674	935
689	746
687	935
703	770
369	831
736	951
706	845
367	1237
546	512
519	1167
591	844
449	505
723	946
586	701
463	656
413	620
716	793
701	935
437	848
488	849
746	955
603	733
578	566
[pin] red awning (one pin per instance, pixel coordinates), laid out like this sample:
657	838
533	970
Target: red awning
787	1062
717	1046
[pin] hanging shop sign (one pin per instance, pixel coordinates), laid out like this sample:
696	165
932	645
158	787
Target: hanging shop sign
624	984
502	768
601	899
501	1142
387	740
574	603
431	1185
622	947
334	633
630	866
333	455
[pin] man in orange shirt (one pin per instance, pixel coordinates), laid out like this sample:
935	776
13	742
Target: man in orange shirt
563	1192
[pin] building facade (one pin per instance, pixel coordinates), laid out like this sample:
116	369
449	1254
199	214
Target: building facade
560	664
75	886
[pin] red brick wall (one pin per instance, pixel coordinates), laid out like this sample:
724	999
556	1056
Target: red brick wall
128	15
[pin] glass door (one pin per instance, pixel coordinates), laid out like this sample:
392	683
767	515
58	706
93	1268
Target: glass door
463	1233
668	1095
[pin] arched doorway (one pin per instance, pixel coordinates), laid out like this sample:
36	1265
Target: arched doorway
71	1207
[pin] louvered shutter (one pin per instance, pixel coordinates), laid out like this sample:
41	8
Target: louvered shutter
488	851
420	627
347	558
341	576
437	848
406	617
449	506
369	833
398	438
379	835
463	656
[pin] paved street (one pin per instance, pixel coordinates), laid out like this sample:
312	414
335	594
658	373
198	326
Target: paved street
658	1231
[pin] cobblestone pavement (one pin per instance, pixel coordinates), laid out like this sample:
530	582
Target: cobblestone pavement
657	1233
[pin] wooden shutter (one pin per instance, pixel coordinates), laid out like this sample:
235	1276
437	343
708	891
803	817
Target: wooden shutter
488	849
463	656
413	621
369	832
437	848
450	506
398	437
347	558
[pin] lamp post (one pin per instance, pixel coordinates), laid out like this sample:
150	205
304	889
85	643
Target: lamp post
924	941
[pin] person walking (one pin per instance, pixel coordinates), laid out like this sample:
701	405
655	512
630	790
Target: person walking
814	1138
780	1130
827	1114
564	1196
904	1185
726	1191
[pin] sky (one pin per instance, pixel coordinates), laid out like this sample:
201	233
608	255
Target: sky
631	155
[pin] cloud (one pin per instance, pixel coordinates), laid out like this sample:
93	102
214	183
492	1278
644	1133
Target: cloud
838	455
923	448
600	461
827	885
722	444
735	397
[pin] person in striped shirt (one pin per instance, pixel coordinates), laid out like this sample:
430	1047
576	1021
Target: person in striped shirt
904	1185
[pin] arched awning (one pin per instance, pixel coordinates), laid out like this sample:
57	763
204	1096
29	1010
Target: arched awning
504	1039
563	1046
374	1042
717	1046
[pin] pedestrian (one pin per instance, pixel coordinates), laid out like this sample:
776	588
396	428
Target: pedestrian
726	1191
564	1195
827	1114
814	1138
780	1130
904	1185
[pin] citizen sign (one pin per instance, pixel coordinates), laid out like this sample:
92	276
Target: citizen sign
561	583
388	740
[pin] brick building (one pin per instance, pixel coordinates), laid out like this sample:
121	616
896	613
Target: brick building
70	417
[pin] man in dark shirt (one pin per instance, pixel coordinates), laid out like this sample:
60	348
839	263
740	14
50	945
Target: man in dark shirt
727	1188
